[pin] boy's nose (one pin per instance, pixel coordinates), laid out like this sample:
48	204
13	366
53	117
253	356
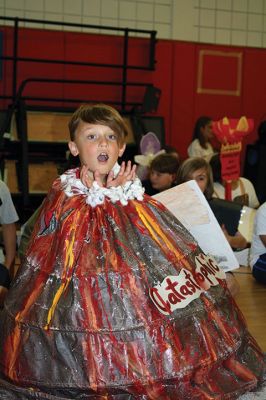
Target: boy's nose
103	141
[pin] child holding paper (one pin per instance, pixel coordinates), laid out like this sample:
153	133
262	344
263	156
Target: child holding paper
87	317
199	169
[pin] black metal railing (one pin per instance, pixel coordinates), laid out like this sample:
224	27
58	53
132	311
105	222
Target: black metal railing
21	100
125	66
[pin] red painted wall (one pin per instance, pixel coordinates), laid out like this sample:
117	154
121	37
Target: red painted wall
176	74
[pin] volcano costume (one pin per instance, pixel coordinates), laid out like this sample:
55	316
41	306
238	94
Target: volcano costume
84	318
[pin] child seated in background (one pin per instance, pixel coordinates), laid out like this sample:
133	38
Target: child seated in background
162	173
196	168
258	246
199	169
201	141
84	317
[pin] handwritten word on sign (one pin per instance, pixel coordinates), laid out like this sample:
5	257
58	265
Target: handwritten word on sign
178	291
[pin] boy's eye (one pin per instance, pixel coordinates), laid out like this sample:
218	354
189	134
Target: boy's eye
91	136
112	136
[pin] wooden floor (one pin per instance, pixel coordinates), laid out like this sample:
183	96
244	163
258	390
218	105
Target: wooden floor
252	302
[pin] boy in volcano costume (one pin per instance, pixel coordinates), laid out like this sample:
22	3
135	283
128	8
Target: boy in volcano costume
87	317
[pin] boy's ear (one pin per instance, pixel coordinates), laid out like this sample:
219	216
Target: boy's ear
73	148
121	150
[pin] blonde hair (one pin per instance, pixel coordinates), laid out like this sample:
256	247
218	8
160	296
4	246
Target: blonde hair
189	166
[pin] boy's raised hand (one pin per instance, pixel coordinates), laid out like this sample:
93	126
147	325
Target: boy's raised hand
126	174
87	180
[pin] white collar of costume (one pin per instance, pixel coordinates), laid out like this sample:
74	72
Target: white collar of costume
96	194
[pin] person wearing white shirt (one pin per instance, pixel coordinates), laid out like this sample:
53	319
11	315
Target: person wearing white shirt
243	191
203	133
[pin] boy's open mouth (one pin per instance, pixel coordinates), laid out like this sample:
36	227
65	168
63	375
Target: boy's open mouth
102	157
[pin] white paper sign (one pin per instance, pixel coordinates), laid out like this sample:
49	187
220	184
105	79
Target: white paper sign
189	205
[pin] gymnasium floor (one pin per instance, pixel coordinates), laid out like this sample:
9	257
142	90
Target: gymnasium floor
252	302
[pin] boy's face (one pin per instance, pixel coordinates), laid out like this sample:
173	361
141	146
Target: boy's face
161	180
97	147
